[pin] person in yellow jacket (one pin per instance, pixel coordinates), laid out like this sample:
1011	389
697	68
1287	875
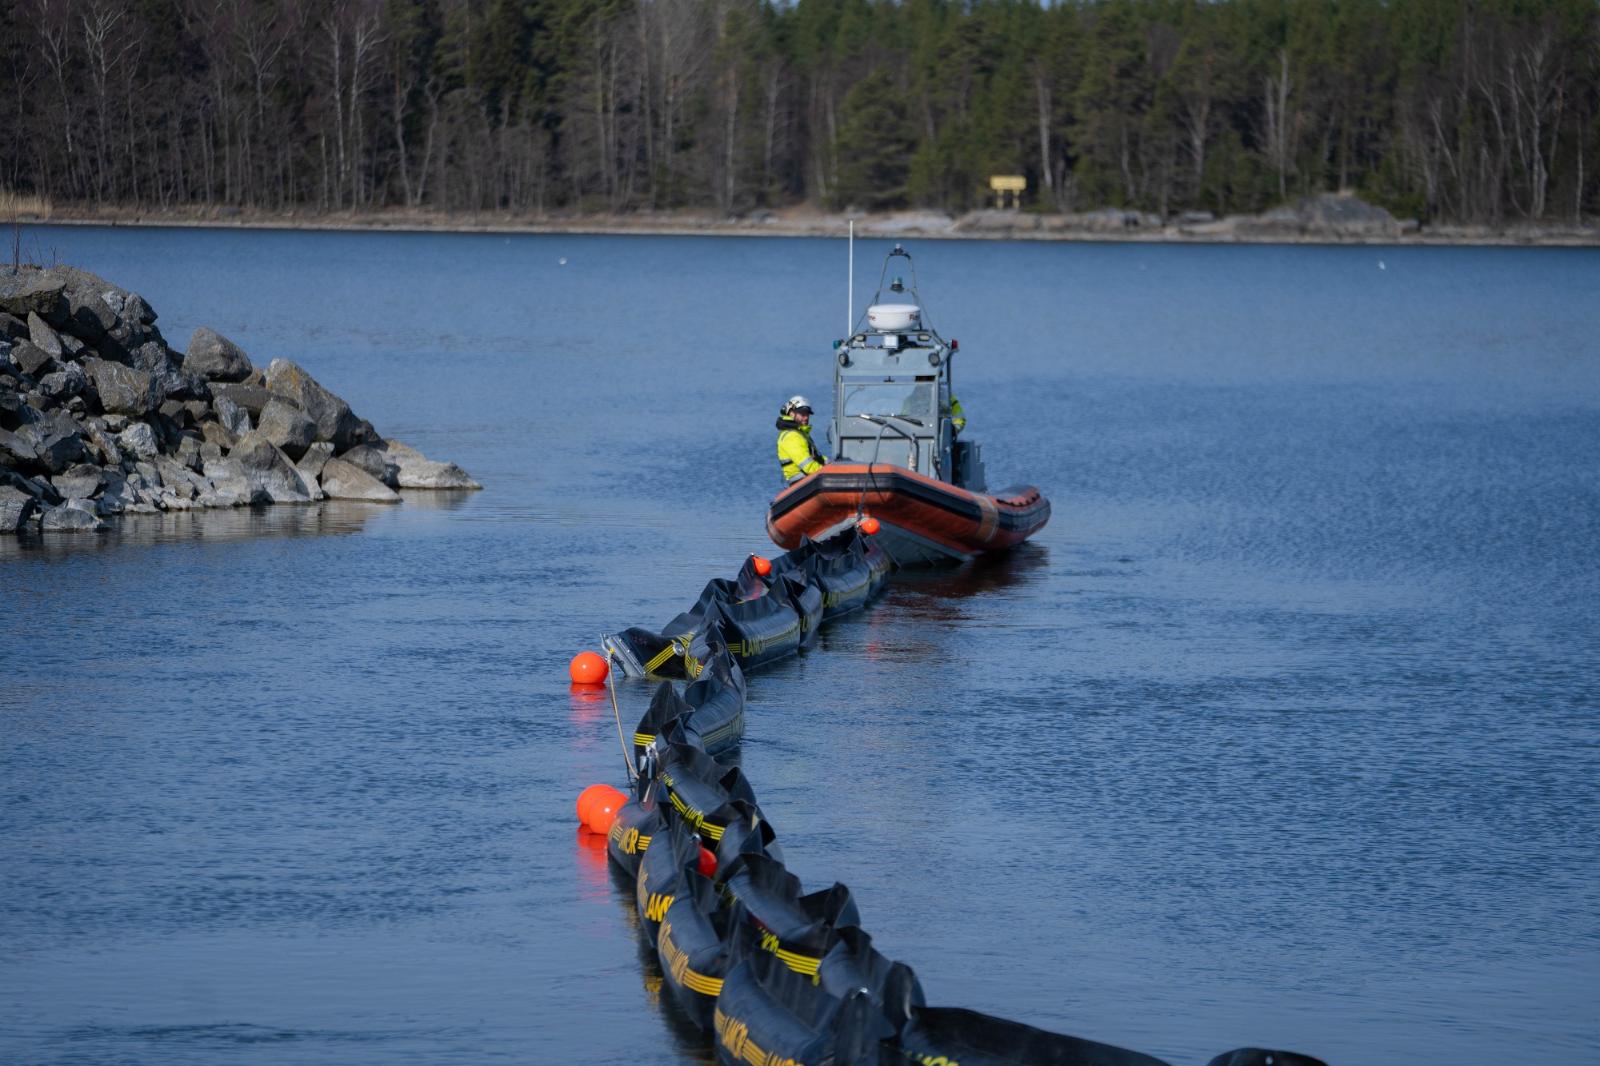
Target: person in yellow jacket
797	452
958	417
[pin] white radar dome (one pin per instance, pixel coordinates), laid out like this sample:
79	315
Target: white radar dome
894	318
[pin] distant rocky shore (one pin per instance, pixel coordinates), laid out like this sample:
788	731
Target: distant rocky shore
99	417
1330	218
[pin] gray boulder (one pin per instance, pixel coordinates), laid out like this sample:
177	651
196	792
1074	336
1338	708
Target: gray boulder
69	381
88	314
188	452
85	288
220	436
127	305
57	441
220	497
12	328
226	477
316	457
102	442
16	507
87	311
232	416
140	440
145	474
250	397
1345	215
16	451
216	358
178	479
80	482
124	390
114	497
39	489
287	426
335	421
177	414
31	291
419	472
156	358
46	338
375	460
74	516
266	467
14	411
29	358
346	481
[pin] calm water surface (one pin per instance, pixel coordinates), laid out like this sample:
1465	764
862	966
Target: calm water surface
1284	731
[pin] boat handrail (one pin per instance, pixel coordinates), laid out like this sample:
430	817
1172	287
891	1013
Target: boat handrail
887	422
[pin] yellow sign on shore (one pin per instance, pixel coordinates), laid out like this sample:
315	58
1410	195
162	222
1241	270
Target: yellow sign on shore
1008	189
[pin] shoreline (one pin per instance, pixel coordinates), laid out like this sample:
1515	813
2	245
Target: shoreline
988	225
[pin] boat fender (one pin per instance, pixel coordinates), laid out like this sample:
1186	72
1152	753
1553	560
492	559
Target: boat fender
667	710
853	963
638	823
700	791
692	948
748	833
768	1013
663	868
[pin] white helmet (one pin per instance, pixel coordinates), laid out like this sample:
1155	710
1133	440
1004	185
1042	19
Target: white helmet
795	403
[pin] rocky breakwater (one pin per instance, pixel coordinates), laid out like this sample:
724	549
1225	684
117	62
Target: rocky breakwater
100	417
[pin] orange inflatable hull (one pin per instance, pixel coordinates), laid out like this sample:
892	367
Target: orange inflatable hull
929	517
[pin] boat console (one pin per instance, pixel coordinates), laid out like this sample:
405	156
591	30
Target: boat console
891	392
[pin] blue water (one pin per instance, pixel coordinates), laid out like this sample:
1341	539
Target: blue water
1284	731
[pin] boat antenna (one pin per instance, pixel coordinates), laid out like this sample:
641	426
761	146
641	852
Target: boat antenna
850	288
898	284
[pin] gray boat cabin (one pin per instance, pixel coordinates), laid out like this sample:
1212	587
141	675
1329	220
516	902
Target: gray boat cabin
891	391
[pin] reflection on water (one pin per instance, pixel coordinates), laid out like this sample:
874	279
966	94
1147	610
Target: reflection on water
1022	566
436	499
690	1044
589	704
328	518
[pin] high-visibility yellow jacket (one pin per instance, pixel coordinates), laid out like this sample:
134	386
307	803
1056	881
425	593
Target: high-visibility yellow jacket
797	452
958	418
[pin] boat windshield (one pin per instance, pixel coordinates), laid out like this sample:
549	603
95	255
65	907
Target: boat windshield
912	400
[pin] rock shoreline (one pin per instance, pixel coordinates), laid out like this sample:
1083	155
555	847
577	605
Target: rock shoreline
1330	218
100	417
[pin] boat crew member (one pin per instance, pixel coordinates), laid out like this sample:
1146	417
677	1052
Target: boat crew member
958	418
797	452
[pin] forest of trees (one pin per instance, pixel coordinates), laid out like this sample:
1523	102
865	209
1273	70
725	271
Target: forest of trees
1444	110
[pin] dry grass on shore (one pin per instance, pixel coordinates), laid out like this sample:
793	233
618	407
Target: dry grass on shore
806	221
24	206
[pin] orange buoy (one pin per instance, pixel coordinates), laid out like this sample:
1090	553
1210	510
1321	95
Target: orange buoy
762	564
603	809
587	668
586	800
869	525
708	863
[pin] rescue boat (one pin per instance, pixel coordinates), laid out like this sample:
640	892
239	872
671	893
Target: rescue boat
895	452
